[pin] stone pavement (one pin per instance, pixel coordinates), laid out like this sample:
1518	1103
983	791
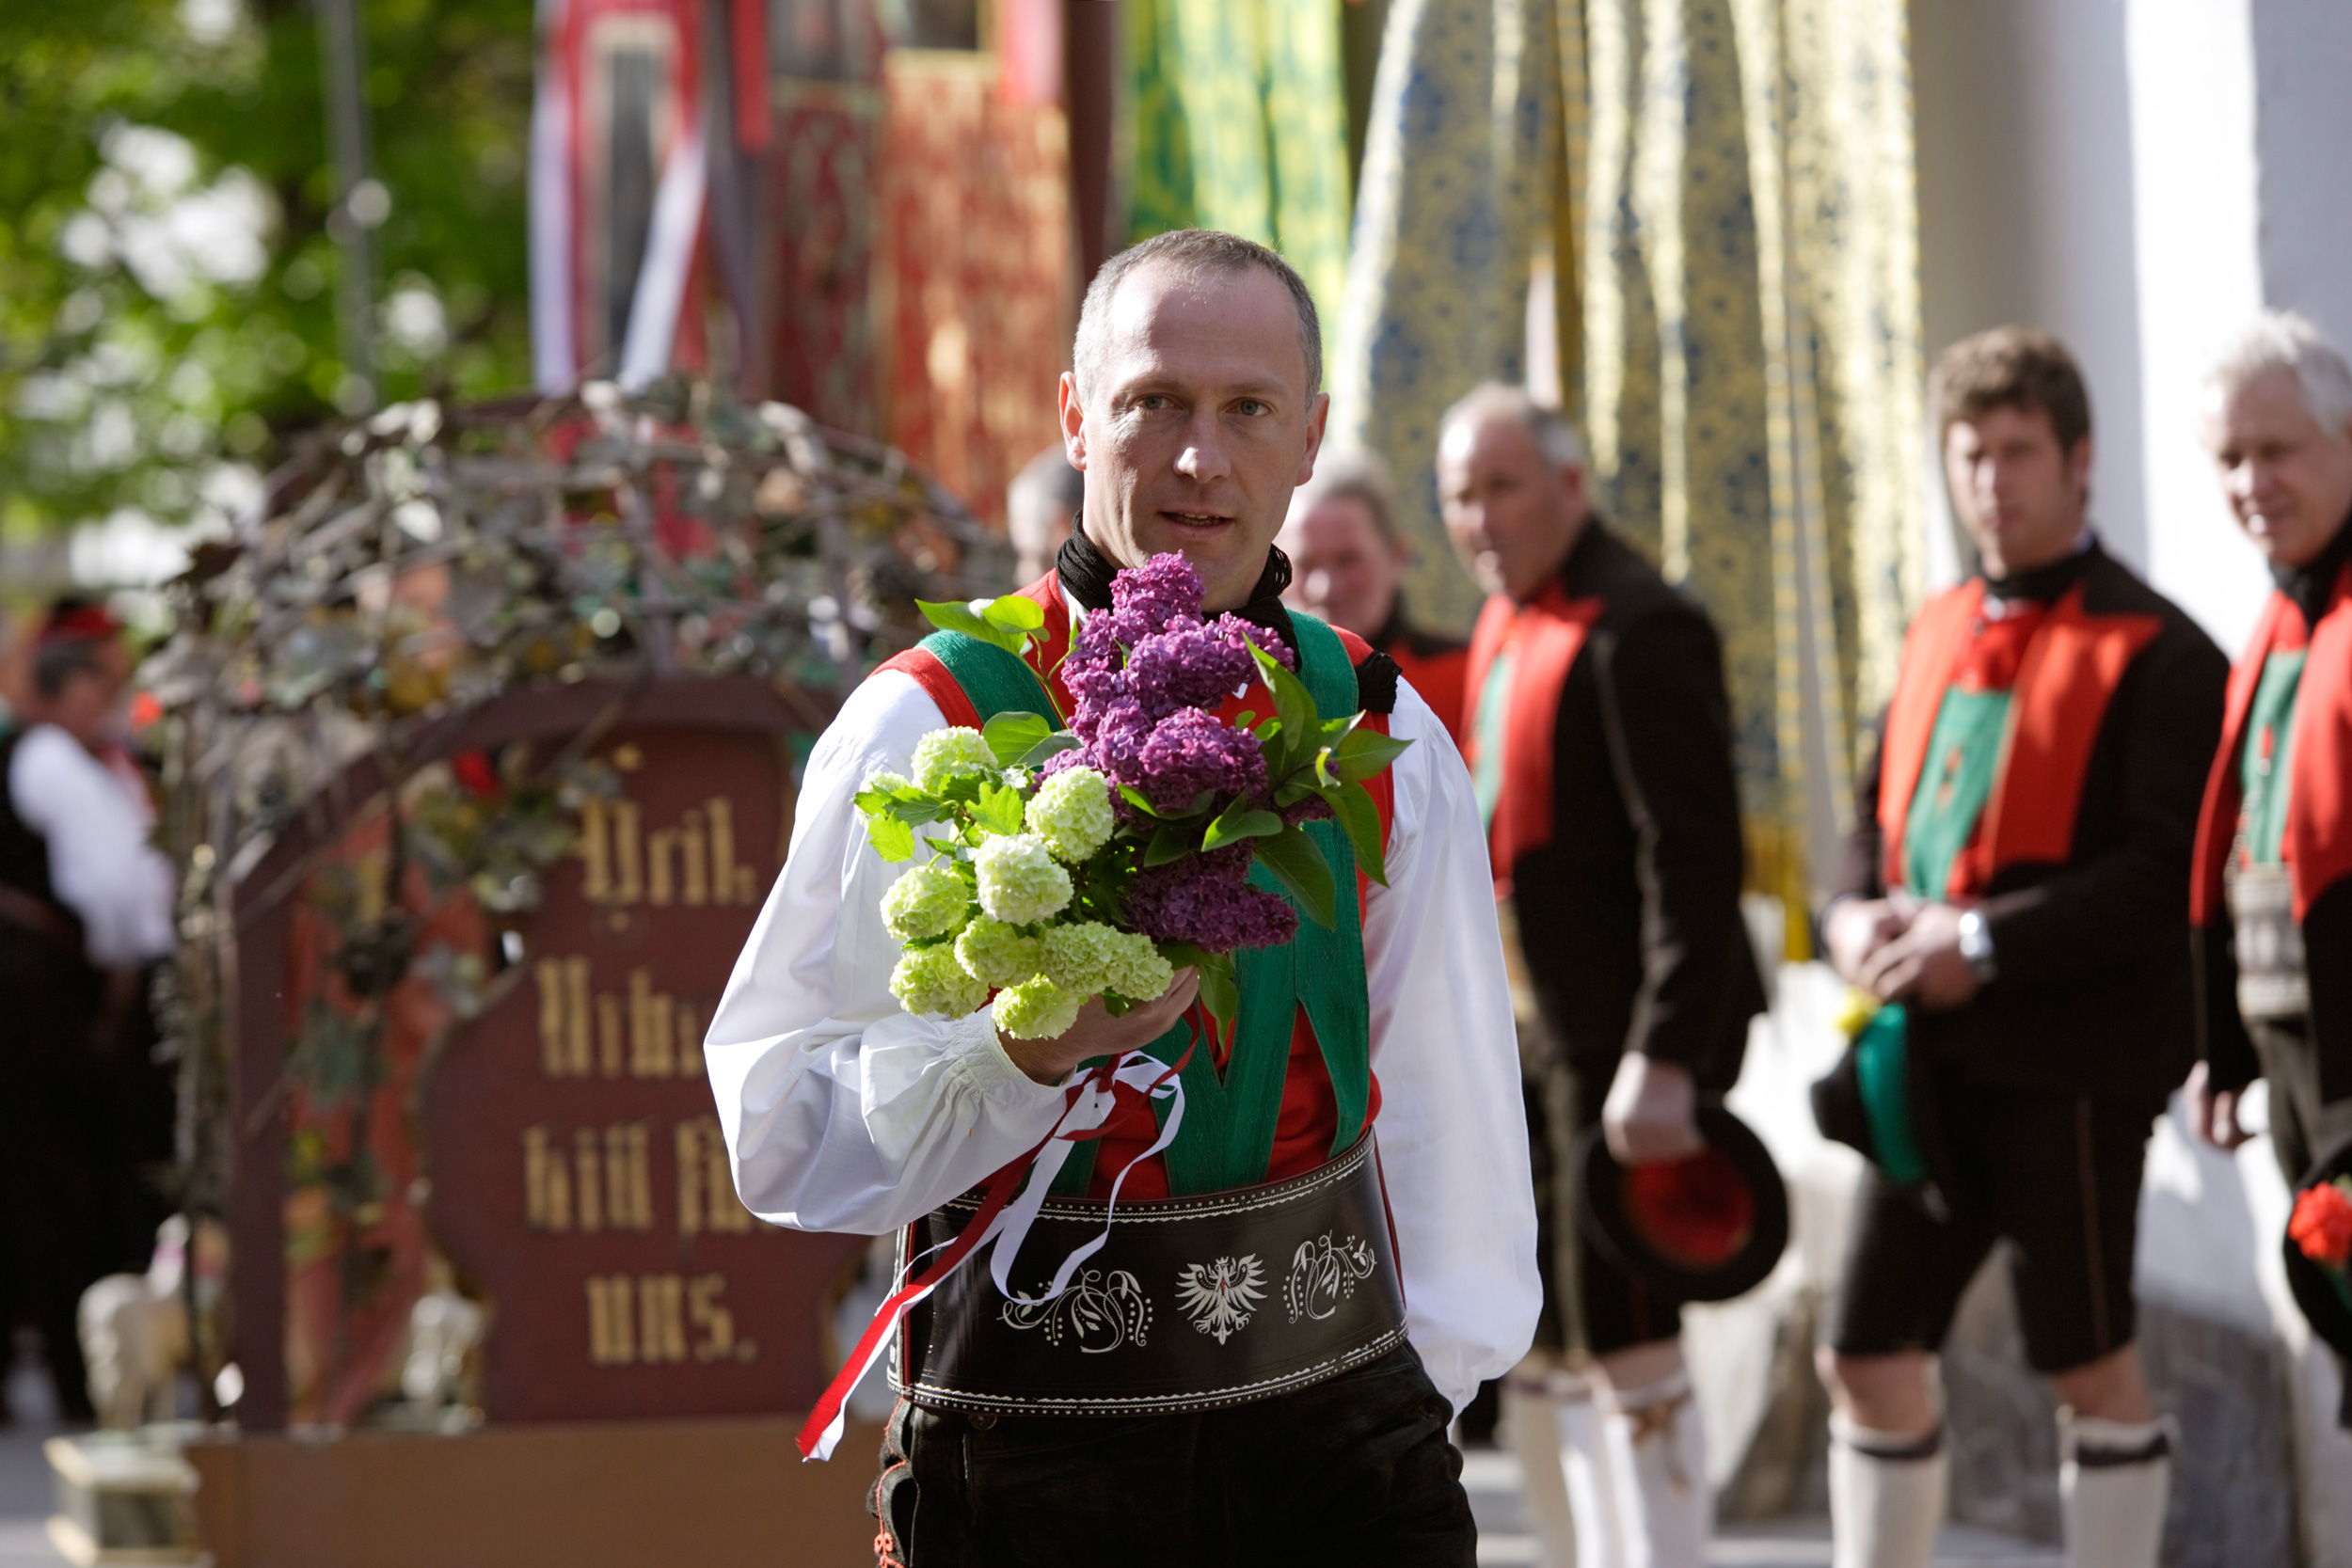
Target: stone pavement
1492	1478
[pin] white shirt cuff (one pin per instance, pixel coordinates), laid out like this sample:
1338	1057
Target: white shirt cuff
976	1064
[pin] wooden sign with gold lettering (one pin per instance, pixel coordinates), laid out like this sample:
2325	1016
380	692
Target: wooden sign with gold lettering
579	1179
561	1150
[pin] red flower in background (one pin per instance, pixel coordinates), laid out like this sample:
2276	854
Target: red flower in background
473	771
2322	1224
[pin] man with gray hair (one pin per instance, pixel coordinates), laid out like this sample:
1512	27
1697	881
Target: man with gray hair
1600	745
1190	1397
1348	565
2271	894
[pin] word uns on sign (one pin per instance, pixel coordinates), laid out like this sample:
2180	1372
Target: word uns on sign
656	1320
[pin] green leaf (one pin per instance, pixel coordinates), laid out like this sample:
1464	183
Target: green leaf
871	801
1012	736
1295	862
1245	718
1357	814
1173	842
1135	797
1363	754
1235	825
914	813
1293	704
954	616
892	840
1052	745
999	809
1015	614
1219	994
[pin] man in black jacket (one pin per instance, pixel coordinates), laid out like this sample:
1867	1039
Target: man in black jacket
2017	876
1600	745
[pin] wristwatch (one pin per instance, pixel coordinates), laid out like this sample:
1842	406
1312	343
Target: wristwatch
1976	945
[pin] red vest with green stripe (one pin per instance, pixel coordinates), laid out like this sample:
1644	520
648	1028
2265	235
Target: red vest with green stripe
1293	1086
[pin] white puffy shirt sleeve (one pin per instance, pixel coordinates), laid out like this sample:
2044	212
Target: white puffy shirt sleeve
1452	1127
842	1112
101	864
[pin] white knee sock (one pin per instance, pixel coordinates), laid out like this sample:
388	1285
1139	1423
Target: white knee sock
2114	1477
1531	1424
1584	1466
1658	1463
1885	1494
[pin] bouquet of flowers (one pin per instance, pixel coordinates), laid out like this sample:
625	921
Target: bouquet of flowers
2321	1227
1066	863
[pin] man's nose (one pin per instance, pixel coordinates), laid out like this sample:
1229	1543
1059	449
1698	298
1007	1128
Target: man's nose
1204	457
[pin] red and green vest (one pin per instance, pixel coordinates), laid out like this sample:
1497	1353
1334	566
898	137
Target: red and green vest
1989	733
1293	1086
1520	658
2281	789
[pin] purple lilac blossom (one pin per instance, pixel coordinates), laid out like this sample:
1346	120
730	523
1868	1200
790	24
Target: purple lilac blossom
1206	899
1190	752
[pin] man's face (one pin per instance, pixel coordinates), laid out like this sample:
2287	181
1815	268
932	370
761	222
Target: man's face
1341	568
87	707
1512	511
2018	492
2288	479
1198	423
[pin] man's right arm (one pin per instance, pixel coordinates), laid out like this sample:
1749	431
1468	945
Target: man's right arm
842	1112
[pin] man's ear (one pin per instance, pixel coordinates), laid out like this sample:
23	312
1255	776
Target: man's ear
1318	413
2079	462
1073	418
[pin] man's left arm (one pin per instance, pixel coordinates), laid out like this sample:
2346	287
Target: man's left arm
2106	909
1668	724
1452	1126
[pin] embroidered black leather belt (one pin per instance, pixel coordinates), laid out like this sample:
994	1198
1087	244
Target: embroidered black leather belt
1194	1303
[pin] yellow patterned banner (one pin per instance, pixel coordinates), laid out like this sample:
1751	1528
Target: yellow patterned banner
1240	122
1728	186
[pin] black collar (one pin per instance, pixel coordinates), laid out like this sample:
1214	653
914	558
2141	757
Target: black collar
2045	583
2312	584
1086	573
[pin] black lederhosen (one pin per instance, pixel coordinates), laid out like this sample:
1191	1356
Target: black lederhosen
2056	1173
1353	1469
1591	1306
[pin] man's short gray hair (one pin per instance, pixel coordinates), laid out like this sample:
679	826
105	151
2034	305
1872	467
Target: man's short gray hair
1192	253
2282	340
1494	400
1352	473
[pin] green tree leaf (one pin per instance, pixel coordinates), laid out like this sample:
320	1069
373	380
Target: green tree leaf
1359	818
1173	842
892	840
999	809
1363	754
1235	823
1012	736
1294	861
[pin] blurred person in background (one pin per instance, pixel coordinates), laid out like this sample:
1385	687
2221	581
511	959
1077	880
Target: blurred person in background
85	912
1600	750
2017	876
1040	505
2272	889
1348	566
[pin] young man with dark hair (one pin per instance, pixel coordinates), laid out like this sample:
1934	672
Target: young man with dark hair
2017	877
1348	565
1195	411
1602	749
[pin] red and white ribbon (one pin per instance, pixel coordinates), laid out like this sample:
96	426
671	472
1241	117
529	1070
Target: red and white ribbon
1007	1220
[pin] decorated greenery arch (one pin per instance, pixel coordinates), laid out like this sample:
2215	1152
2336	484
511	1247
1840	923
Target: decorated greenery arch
405	573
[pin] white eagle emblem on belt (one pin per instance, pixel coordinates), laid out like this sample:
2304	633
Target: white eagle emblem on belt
1221	1297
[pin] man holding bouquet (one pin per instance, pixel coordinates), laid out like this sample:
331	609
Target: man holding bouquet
1261	1366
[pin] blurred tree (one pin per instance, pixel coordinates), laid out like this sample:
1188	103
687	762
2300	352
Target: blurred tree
166	280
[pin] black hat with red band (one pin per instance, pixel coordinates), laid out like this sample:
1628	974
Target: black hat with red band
1707	1228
